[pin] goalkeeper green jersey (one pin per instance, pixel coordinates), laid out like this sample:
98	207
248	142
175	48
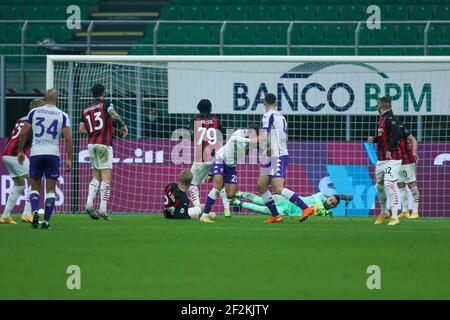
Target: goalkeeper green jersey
290	209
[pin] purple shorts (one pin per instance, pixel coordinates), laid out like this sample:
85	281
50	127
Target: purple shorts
229	173
44	165
276	168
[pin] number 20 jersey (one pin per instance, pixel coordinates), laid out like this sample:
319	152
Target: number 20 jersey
99	122
47	123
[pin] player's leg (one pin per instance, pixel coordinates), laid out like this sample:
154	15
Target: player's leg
229	192
414	190
215	191
390	179
95	182
27	215
404	199
50	199
199	171
105	158
37	169
382	195
266	195
225	202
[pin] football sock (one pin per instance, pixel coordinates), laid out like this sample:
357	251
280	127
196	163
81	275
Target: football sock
404	197
210	199
93	188
195	195
382	197
49	206
12	199
34	200
27	207
390	189
292	197
225	200
104	193
270	203
415	194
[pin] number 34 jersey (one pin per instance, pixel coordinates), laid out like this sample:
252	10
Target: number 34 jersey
99	123
47	123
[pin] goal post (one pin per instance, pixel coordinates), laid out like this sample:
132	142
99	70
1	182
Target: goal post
329	103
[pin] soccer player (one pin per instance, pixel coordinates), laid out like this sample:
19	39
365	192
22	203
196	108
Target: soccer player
274	134
322	204
97	122
176	201
47	123
407	175
19	173
223	169
389	160
206	129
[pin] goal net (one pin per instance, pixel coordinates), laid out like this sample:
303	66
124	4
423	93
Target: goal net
329	104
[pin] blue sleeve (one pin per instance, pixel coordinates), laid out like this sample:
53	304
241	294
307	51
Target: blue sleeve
30	116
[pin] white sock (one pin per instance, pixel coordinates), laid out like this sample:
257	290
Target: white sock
382	197
27	207
415	194
390	189
194	195
105	189
12	199
404	197
267	196
93	188
225	200
287	193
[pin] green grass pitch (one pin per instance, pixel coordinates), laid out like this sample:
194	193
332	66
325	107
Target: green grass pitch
148	257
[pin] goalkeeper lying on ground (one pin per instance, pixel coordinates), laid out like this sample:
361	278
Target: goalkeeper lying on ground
319	201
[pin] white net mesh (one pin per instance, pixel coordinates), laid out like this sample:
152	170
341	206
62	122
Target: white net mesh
330	109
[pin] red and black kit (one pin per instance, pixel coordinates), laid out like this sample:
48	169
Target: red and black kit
174	197
13	141
388	138
207	130
99	122
405	147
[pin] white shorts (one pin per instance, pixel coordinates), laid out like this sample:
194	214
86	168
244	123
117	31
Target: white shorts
407	173
101	156
200	171
14	168
388	170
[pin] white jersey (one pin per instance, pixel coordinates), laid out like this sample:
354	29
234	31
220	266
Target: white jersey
47	123
276	126
235	147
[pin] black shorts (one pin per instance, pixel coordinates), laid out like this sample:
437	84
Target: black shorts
178	214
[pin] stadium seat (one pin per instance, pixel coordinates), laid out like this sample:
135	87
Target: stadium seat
435	34
193	12
2	32
351	13
409	34
312	34
383	36
305	12
321	51
282	12
275	51
413	52
11	12
344	51
267	34
439	51
60	33
329	13
140	51
442	13
446	34
391	51
201	34
171	12
55	12
368	51
365	34
185	51
300	51
164	51
232	51
13	33
208	51
173	33
238	13
244	34
217	12
33	12
259	13
252	51
421	12
397	12
337	34
37	31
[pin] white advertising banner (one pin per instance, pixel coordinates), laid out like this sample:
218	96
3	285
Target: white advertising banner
310	88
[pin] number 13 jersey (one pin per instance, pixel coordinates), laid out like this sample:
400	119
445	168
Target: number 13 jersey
99	123
47	123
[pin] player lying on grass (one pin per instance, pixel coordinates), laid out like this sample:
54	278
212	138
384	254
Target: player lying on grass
19	173
322	204
223	168
176	201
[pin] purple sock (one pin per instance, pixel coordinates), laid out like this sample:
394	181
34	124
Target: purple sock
272	207
295	199
208	205
49	205
34	201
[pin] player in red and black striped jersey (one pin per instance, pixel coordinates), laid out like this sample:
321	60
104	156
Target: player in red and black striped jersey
407	175
177	202
18	172
207	131
97	122
389	160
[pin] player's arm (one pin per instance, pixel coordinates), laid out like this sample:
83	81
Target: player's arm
397	134
117	118
21	142
414	144
82	128
68	143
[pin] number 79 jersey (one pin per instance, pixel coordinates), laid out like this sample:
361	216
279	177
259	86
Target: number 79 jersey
99	122
47	123
207	137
